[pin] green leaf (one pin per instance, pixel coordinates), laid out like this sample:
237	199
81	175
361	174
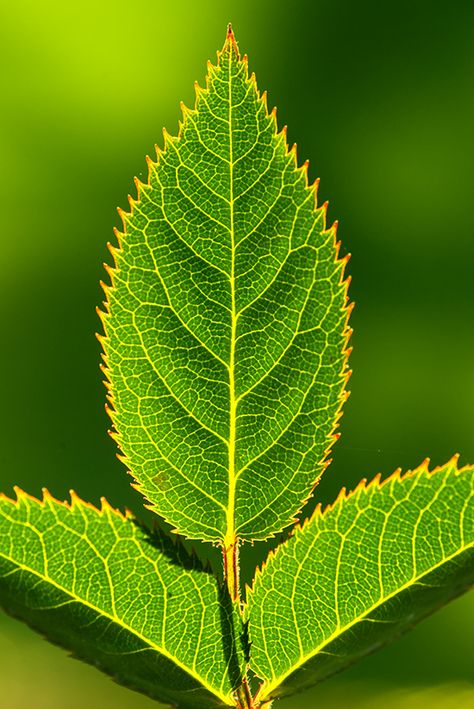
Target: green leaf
126	600
226	321
361	573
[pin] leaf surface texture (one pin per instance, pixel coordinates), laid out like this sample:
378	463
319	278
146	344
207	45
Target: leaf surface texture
128	601
226	321
359	574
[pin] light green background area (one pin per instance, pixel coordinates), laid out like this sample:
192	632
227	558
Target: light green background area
379	97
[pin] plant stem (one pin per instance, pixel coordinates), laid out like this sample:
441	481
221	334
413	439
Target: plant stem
232	578
231	571
244	696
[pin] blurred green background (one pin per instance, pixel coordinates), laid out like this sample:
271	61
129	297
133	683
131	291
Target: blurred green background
380	97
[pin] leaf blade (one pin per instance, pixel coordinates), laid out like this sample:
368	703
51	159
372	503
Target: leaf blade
129	602
226	329
393	582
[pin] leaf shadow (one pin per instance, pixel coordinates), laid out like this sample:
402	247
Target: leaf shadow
231	638
174	548
233	633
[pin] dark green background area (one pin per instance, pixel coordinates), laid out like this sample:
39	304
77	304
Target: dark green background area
380	97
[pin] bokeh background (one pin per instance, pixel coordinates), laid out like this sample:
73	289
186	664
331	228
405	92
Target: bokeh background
380	97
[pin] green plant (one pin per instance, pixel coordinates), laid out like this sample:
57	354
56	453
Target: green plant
226	361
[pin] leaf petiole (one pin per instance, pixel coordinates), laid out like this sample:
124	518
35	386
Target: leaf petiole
231	571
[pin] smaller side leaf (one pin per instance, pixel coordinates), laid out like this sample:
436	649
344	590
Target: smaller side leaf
127	600
359	574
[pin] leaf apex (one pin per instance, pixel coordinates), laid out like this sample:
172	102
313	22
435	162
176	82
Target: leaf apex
230	43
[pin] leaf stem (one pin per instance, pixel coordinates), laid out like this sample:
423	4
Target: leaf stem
244	696
232	578
231	571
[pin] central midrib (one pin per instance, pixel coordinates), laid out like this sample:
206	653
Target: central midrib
229	539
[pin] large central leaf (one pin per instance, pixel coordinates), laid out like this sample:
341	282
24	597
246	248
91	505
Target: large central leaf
226	322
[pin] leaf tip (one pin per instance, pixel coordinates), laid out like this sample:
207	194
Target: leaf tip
230	39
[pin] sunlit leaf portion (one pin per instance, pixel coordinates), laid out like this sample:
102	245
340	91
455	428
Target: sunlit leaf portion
226	321
361	573
128	601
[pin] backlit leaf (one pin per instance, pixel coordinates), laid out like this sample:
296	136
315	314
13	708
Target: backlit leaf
226	321
128	601
361	573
